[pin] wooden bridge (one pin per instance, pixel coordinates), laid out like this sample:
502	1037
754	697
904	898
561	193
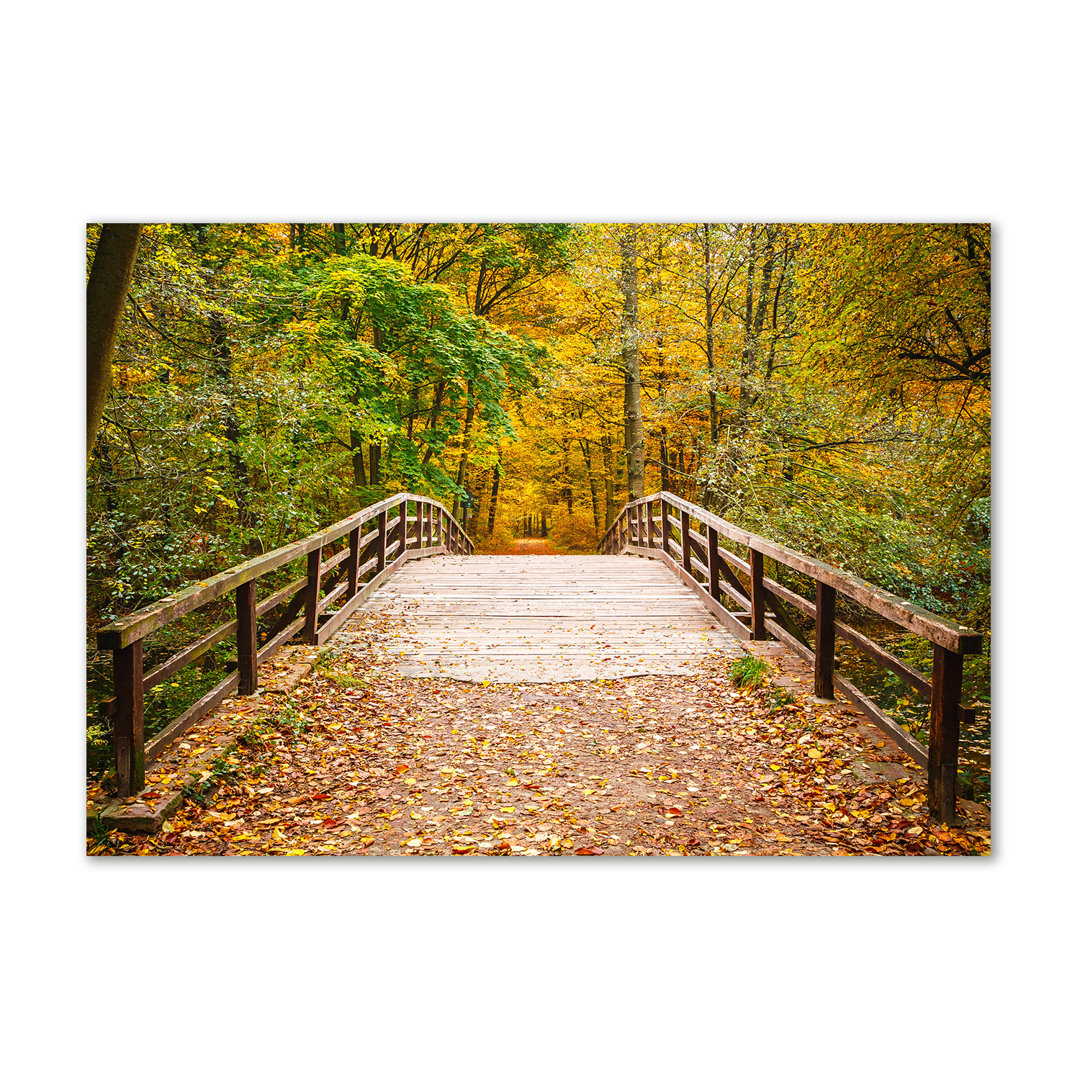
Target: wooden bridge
541	618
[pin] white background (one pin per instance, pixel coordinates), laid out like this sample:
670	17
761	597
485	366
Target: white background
554	112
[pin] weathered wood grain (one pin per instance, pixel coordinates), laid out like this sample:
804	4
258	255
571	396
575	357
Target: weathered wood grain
543	618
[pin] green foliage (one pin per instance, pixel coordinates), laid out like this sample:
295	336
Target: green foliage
749	672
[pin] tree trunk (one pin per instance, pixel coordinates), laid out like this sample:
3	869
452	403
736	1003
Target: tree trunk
496	474
356	445
634	433
106	294
222	353
593	491
610	509
466	444
710	338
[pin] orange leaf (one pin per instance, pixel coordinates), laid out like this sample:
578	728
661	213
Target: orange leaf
588	851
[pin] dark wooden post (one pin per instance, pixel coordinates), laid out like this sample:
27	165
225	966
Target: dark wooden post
380	547
247	648
684	529
353	561
824	641
945	687
652	527
128	745
757	601
640	525
665	528
311	598
404	528
712	549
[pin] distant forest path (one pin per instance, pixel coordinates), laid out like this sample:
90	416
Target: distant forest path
533	546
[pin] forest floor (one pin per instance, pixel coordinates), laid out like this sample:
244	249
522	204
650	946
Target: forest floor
359	760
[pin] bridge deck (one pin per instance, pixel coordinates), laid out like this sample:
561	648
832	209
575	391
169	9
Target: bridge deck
544	618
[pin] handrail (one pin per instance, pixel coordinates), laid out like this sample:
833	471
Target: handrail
378	553
645	527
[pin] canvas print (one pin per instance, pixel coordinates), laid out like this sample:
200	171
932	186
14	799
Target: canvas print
538	539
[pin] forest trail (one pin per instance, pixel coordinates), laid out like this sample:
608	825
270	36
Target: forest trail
542	619
531	545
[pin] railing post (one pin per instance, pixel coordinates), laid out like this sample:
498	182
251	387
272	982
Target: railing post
311	598
426	539
665	528
684	529
380	547
944	752
404	528
757	601
247	650
712	548
651	530
640	525
824	641
353	562
128	745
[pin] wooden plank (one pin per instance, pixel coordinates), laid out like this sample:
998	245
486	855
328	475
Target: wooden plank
311	596
328	600
128	748
185	656
730	623
824	641
944	734
196	712
884	658
352	573
246	643
907	742
757	595
337	620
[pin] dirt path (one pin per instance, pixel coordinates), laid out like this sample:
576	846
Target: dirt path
359	760
533	546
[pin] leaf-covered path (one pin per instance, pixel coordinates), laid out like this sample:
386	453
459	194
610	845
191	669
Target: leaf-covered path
359	760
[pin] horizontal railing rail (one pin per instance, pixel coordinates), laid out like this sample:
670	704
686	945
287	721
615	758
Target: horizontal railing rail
661	526
375	542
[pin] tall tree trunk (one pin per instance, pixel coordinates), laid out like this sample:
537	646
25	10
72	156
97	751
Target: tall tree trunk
356	445
466	444
610	508
593	490
374	454
634	432
495	476
710	337
106	294
222	353
568	487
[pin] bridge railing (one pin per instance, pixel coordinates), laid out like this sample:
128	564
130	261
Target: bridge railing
373	543
687	538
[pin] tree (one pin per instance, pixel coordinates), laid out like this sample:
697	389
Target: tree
106	295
